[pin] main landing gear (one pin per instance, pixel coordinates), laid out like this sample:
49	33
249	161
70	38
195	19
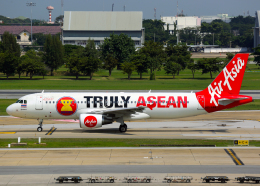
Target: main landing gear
39	129
123	128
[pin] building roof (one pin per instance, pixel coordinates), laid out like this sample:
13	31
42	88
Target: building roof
35	29
102	21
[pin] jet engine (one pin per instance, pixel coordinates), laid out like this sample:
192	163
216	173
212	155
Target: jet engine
93	120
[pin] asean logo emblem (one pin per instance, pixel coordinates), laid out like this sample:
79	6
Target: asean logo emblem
90	121
66	106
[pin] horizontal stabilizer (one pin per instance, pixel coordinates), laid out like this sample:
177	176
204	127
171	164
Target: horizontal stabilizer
227	101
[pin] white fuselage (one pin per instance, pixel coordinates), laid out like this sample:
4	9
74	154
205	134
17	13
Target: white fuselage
159	105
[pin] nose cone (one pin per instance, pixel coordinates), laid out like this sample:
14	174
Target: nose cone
10	110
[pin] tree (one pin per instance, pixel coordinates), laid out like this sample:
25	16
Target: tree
9	44
180	54
192	66
53	53
85	60
225	38
59	19
90	65
154	31
257	55
140	62
171	67
68	49
74	61
189	35
9	54
31	63
128	68
90	61
121	46
154	55
209	65
19	68
39	39
228	58
109	63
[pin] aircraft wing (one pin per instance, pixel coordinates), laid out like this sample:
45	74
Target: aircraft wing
226	101
117	110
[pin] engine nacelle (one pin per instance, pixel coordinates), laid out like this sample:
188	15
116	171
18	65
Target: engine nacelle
93	120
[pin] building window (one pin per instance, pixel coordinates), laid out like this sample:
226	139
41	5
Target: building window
69	42
137	43
97	43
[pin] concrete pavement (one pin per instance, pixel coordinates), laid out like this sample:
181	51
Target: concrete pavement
134	156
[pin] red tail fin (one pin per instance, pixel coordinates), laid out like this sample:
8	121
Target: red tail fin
230	78
227	84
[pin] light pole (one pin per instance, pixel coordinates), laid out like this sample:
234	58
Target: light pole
31	4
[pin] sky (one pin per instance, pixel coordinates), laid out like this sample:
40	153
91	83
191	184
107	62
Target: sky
15	8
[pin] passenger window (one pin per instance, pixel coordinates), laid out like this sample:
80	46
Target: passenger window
25	101
49	101
53	102
46	102
21	101
81	101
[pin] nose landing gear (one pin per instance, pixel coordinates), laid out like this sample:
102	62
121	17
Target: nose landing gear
39	129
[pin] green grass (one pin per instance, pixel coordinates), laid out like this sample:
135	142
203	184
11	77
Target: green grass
107	142
4	103
119	81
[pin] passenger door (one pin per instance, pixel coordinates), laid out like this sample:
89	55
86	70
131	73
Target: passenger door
39	103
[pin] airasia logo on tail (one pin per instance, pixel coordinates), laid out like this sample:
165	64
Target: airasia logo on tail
230	74
90	121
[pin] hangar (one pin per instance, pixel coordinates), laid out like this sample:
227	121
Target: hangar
79	26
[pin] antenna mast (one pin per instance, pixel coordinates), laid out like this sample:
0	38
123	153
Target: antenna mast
62	7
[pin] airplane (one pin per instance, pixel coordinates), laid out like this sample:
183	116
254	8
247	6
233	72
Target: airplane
96	109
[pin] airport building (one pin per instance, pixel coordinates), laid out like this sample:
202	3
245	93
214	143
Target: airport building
209	19
79	26
22	33
256	29
181	22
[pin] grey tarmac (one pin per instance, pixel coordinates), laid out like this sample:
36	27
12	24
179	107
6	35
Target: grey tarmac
115	169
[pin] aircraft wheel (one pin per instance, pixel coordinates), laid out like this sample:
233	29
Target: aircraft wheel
123	128
39	129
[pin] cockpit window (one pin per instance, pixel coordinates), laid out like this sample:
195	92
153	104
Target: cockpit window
25	101
18	101
21	101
